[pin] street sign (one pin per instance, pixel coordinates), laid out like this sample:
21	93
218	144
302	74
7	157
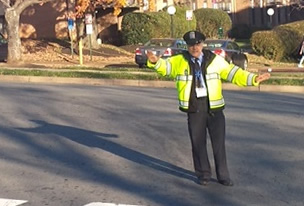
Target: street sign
70	24
88	18
189	15
89	29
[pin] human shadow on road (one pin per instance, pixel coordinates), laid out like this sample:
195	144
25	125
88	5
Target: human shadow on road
99	140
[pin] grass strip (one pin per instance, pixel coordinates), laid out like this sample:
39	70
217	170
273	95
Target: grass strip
286	81
131	69
75	74
296	79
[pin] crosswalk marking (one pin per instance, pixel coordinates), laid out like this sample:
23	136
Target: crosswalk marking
107	204
11	202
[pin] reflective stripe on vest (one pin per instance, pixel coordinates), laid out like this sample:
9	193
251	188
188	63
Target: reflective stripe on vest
157	65
168	69
232	73
250	79
184	78
217	103
183	104
213	104
213	76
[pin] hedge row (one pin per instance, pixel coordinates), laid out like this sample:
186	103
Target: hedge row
280	44
210	20
140	27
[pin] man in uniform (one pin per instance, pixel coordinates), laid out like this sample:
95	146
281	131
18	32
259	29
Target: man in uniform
198	74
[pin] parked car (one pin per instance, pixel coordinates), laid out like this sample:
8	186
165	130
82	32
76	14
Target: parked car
164	47
3	48
229	50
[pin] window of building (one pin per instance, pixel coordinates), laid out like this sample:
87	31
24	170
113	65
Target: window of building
224	5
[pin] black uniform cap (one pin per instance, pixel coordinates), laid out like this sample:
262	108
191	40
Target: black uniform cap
193	37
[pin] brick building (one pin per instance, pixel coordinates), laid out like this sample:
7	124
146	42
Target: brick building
50	20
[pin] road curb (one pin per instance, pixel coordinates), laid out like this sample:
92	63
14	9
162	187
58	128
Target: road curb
86	81
267	88
139	83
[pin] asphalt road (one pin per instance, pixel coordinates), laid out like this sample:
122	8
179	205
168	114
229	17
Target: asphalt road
72	145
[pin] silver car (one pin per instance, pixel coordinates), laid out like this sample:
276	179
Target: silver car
163	47
228	49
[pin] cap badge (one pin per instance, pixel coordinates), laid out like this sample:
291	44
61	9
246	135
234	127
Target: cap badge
192	35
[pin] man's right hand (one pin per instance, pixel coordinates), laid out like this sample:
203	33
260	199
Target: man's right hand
262	77
152	57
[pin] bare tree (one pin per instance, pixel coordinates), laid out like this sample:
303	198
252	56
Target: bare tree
89	6
12	11
297	5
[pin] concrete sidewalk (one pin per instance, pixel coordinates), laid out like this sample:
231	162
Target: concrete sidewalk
139	83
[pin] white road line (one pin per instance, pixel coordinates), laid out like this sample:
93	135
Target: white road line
11	202
107	204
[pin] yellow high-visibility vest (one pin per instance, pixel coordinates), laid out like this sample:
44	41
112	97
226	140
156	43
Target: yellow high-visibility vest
219	69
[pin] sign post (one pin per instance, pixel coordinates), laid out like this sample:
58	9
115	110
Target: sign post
220	32
80	51
171	11
89	30
270	12
70	28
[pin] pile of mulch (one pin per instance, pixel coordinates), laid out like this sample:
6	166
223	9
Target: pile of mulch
58	51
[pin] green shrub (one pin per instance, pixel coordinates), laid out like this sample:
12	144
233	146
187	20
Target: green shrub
290	37
267	44
181	25
210	20
279	44
162	25
136	28
140	27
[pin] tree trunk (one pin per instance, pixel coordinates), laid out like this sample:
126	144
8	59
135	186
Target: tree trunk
14	43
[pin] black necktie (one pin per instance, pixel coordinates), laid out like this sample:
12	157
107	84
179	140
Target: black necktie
198	73
197	65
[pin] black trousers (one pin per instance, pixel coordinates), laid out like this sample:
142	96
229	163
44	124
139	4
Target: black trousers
198	125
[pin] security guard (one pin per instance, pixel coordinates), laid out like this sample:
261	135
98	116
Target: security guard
198	74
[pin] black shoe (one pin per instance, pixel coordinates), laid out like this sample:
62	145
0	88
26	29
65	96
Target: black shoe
226	182
203	181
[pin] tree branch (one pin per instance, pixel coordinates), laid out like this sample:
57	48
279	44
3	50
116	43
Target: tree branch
21	5
6	3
